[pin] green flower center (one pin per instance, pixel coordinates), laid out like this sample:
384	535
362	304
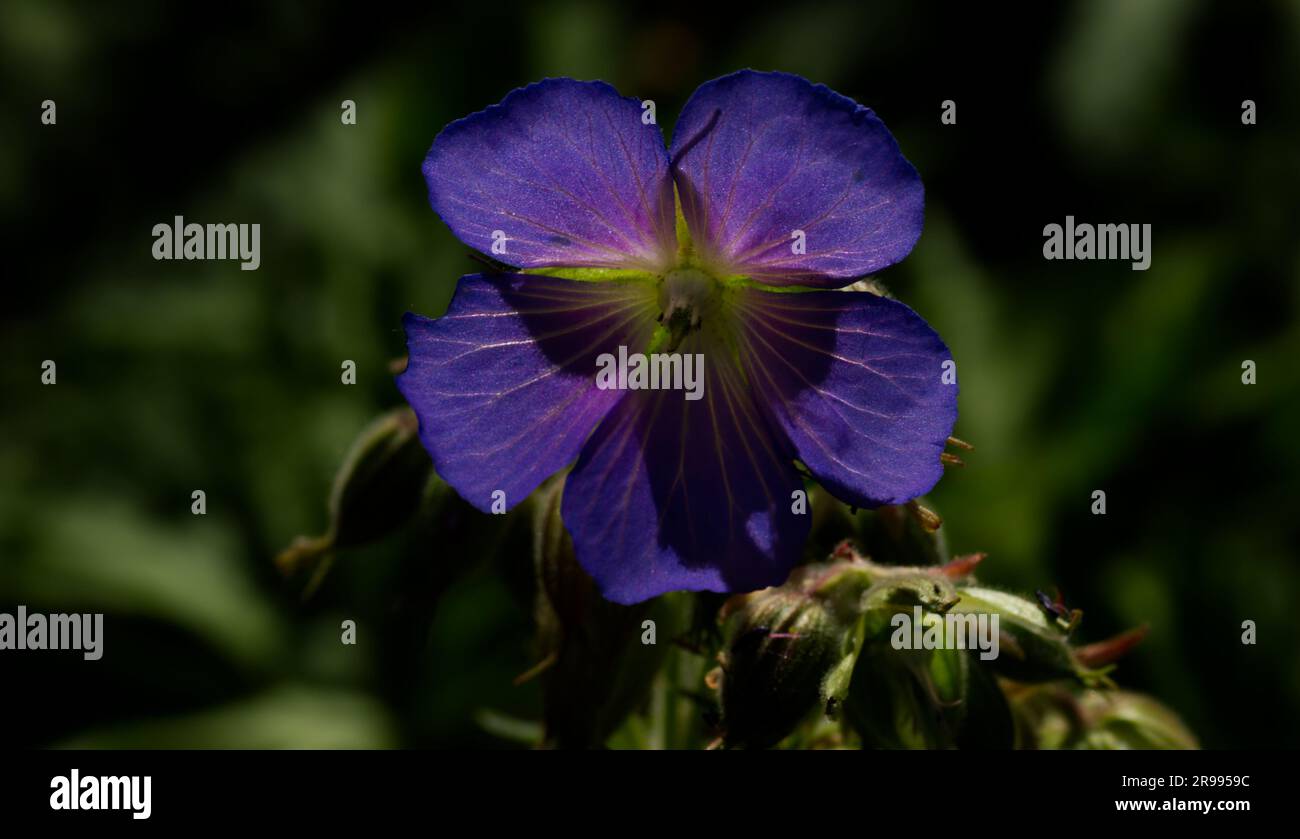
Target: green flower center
687	298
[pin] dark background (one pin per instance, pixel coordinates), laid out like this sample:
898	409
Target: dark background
176	376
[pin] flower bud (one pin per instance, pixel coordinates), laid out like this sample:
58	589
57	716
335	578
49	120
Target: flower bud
381	483
1118	719
594	666
920	697
781	643
889	704
1062	717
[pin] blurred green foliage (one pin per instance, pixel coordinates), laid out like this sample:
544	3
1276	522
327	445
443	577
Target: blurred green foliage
177	376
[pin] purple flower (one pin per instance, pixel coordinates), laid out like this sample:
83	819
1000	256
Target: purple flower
785	192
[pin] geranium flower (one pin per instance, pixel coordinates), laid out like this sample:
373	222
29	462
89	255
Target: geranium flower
785	191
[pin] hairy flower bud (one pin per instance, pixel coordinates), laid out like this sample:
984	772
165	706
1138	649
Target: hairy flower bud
918	697
890	704
781	643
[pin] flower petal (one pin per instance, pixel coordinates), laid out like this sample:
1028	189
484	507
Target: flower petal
504	383
857	382
760	156
671	494
565	171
